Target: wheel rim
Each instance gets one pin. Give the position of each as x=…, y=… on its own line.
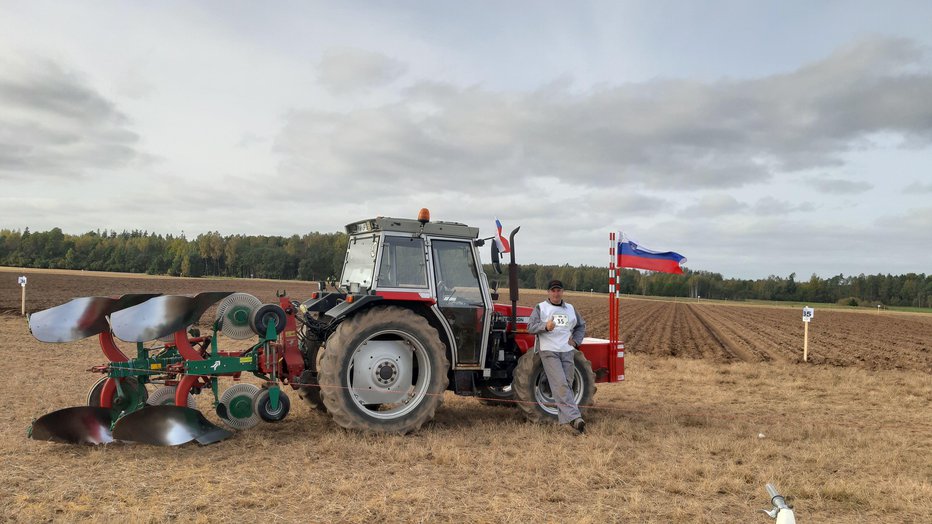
x=385, y=375
x=544, y=397
x=267, y=406
x=499, y=392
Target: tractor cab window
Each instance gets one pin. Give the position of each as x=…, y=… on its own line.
x=360, y=263
x=455, y=271
x=403, y=263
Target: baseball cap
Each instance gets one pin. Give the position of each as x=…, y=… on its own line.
x=555, y=283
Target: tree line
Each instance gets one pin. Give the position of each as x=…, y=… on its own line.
x=314, y=256
x=319, y=256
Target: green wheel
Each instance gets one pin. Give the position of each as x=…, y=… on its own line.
x=237, y=402
x=134, y=396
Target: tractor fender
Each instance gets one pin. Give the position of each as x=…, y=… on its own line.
x=353, y=304
x=323, y=302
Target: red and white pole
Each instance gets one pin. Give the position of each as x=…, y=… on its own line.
x=612, y=303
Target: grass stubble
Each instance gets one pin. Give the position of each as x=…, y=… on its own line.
x=678, y=441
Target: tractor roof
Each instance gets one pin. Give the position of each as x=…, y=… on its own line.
x=407, y=225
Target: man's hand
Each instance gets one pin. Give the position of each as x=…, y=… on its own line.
x=550, y=324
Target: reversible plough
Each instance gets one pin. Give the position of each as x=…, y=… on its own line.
x=178, y=360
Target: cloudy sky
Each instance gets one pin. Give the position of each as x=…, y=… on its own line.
x=755, y=138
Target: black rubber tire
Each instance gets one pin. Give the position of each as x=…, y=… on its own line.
x=497, y=396
x=309, y=391
x=342, y=345
x=260, y=319
x=525, y=384
x=261, y=405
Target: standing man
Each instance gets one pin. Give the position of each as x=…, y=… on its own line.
x=560, y=330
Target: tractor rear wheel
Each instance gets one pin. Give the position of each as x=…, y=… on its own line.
x=309, y=389
x=532, y=388
x=384, y=370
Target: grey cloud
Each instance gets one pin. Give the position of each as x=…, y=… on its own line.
x=662, y=134
x=772, y=206
x=349, y=69
x=914, y=223
x=917, y=187
x=53, y=124
x=838, y=186
x=713, y=206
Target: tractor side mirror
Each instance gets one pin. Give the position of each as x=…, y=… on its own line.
x=496, y=264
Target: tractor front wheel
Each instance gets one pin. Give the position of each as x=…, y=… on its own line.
x=503, y=396
x=384, y=370
x=533, y=389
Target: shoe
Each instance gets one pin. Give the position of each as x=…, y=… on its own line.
x=579, y=425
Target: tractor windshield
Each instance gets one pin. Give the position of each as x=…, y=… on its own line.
x=360, y=262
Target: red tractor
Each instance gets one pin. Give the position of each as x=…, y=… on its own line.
x=413, y=316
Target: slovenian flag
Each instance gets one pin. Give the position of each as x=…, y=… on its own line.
x=503, y=246
x=632, y=255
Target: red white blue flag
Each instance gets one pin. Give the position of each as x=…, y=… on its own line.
x=500, y=239
x=632, y=255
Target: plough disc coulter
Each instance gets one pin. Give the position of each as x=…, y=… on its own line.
x=119, y=405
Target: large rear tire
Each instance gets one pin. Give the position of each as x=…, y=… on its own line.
x=384, y=370
x=533, y=390
x=310, y=384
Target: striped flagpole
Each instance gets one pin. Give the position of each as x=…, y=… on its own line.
x=617, y=320
x=612, y=279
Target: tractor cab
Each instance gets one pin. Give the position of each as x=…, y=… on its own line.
x=433, y=264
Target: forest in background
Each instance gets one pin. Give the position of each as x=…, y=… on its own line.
x=319, y=256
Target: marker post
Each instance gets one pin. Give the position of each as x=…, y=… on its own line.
x=22, y=283
x=808, y=313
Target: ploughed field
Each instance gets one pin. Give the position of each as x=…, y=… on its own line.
x=722, y=332
x=727, y=332
x=715, y=404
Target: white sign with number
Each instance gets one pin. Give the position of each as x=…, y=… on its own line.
x=808, y=313
x=561, y=320
x=22, y=280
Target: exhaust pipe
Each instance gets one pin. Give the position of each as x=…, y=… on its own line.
x=513, y=280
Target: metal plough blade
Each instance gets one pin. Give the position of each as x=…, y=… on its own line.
x=80, y=318
x=162, y=315
x=168, y=426
x=77, y=425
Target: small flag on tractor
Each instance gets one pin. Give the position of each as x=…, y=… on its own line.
x=632, y=255
x=500, y=239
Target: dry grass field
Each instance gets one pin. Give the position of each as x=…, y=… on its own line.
x=715, y=405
